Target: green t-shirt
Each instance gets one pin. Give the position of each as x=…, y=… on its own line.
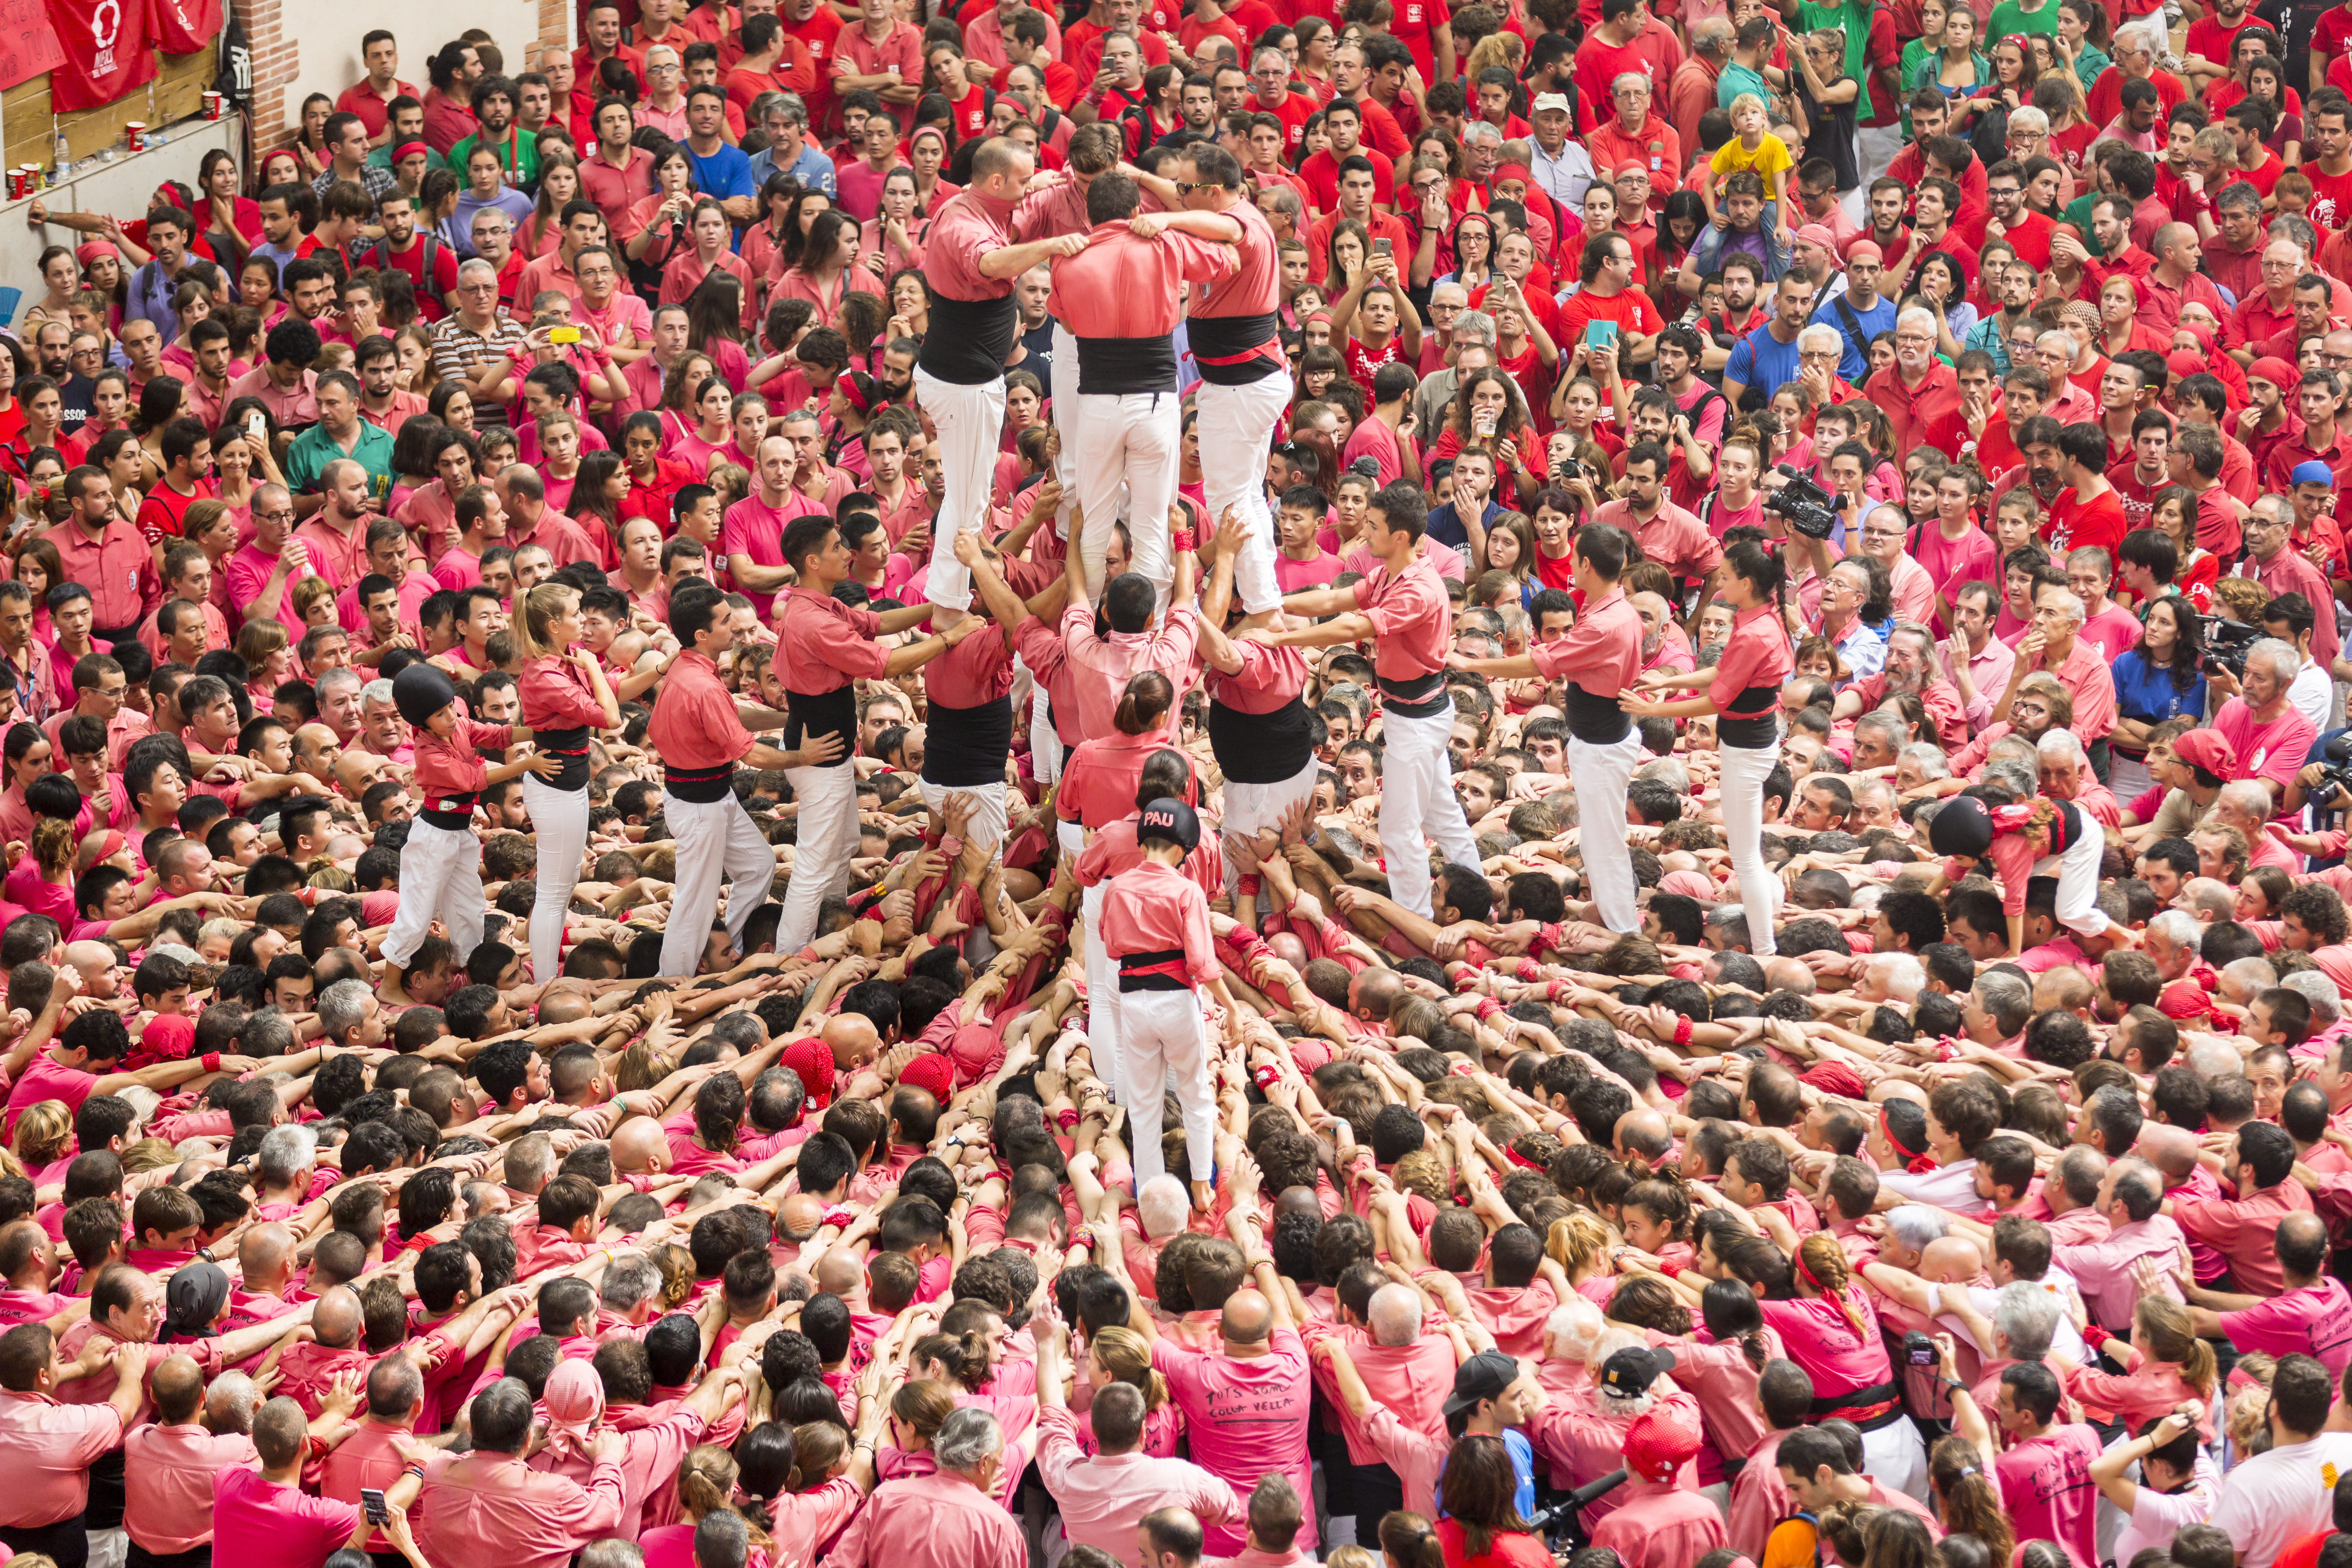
x=1855, y=19
x=1931, y=66
x=517, y=153
x=2089, y=64
x=2009, y=17
x=313, y=449
x=1736, y=79
x=382, y=158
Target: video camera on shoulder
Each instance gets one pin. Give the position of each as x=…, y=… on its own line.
x=1811, y=509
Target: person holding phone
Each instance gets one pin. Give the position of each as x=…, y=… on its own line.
x=1606, y=298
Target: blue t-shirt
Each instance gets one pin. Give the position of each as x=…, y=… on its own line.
x=1446, y=526
x=2145, y=691
x=1761, y=361
x=724, y=173
x=1854, y=366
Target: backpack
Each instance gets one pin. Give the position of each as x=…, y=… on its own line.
x=381, y=262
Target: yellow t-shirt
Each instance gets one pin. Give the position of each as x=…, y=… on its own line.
x=1770, y=161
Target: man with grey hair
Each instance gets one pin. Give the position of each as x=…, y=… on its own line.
x=1877, y=737
x=1910, y=666
x=2055, y=647
x=1919, y=388
x=1911, y=1229
x=949, y=1516
x=349, y=1016
x=1470, y=346
x=382, y=728
x=2326, y=997
x=784, y=118
x=2130, y=1200
x=2270, y=735
x=1556, y=159
x=2172, y=941
x=1997, y=1008
x=630, y=1289
x=474, y=342
x=339, y=703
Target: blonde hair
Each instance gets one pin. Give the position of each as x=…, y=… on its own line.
x=540, y=608
x=309, y=591
x=43, y=1132
x=149, y=1154
x=1748, y=99
x=53, y=844
x=1575, y=1239
x=2172, y=1337
x=261, y=638
x=1823, y=1262
x=706, y=1484
x=1128, y=1358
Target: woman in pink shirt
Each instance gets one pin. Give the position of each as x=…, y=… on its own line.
x=2164, y=1364
x=43, y=880
x=714, y=408
x=888, y=241
x=1831, y=1329
x=684, y=277
x=829, y=266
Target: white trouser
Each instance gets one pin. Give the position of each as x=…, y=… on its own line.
x=109, y=1548
x=1166, y=1046
x=559, y=818
x=970, y=422
x=1418, y=805
x=826, y=843
x=1252, y=808
x=2078, y=883
x=987, y=824
x=1895, y=1455
x=1745, y=768
x=716, y=837
x=440, y=879
x=1129, y=452
x=1236, y=423
x=1600, y=775
x=1065, y=412
x=1105, y=1032
x=1045, y=750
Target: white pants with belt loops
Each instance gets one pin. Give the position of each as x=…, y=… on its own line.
x=1745, y=768
x=1127, y=452
x=716, y=839
x=970, y=423
x=1237, y=423
x=1166, y=1046
x=559, y=819
x=1600, y=775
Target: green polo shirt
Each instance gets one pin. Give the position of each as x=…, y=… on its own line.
x=313, y=449
x=521, y=151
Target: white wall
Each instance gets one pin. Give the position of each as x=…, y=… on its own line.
x=329, y=38
x=120, y=188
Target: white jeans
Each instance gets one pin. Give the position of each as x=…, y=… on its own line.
x=827, y=843
x=1600, y=775
x=1166, y=1047
x=1251, y=807
x=2078, y=883
x=987, y=824
x=1236, y=423
x=1745, y=768
x=1894, y=1454
x=440, y=879
x=971, y=422
x=717, y=837
x=1129, y=454
x=1105, y=1032
x=559, y=818
x=1065, y=412
x=1418, y=805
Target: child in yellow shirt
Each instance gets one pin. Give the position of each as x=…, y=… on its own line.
x=1753, y=147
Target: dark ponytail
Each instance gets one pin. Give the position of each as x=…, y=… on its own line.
x=1143, y=707
x=1728, y=1309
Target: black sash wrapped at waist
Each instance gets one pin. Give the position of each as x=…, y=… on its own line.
x=1596, y=720
x=704, y=787
x=1751, y=722
x=1234, y=350
x=831, y=712
x=1261, y=748
x=968, y=339
x=571, y=746
x=1162, y=970
x=1118, y=367
x=967, y=747
x=1422, y=697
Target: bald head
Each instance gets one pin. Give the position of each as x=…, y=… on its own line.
x=1950, y=1260
x=1788, y=975
x=799, y=1215
x=262, y=1252
x=852, y=1040
x=564, y=1007
x=2301, y=1243
x=640, y=1147
x=1643, y=1131
x=1248, y=1318
x=91, y=958
x=2171, y=1150
x=838, y=1274
x=337, y=1318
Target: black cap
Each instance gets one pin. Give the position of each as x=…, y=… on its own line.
x=1630, y=1373
x=1484, y=1376
x=1960, y=827
x=422, y=691
x=1170, y=821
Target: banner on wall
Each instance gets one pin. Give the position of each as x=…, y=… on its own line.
x=109, y=51
x=28, y=45
x=186, y=27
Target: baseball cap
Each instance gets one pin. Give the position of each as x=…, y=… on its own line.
x=1170, y=821
x=1661, y=1441
x=2275, y=370
x=1629, y=1372
x=1551, y=101
x=2208, y=749
x=2312, y=473
x=1484, y=1376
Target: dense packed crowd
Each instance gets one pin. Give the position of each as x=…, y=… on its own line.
x=808, y=788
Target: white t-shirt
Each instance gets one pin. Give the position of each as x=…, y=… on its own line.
x=1952, y=1186
x=2311, y=692
x=2274, y=1500
x=2156, y=1515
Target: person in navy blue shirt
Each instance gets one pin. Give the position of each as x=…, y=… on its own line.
x=1474, y=480
x=1766, y=359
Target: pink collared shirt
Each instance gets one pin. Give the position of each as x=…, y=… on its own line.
x=1246, y=1419
x=1659, y=1527
x=117, y=567
x=1104, y=1497
x=931, y=1521
x=1100, y=667
x=46, y=1449
x=486, y=1510
x=171, y=1508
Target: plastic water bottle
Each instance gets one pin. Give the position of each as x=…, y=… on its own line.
x=63, y=168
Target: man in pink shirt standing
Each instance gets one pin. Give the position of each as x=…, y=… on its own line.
x=1104, y=1497
x=486, y=1509
x=2262, y=1163
x=948, y=1518
x=1244, y=1404
x=47, y=1448
x=265, y=1517
x=2044, y=1473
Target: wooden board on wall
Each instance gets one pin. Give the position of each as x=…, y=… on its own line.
x=27, y=135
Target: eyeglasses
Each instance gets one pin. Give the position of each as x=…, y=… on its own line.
x=285, y=516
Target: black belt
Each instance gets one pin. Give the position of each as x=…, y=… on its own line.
x=1118, y=367
x=968, y=339
x=1595, y=720
x=1261, y=748
x=1240, y=342
x=1422, y=697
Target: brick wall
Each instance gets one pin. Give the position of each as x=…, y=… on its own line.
x=276, y=57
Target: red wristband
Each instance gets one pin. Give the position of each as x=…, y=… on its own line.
x=1528, y=970
x=1682, y=1031
x=1487, y=1007
x=211, y=1060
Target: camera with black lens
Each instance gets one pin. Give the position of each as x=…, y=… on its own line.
x=2333, y=790
x=1919, y=1351
x=2227, y=643
x=1811, y=509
